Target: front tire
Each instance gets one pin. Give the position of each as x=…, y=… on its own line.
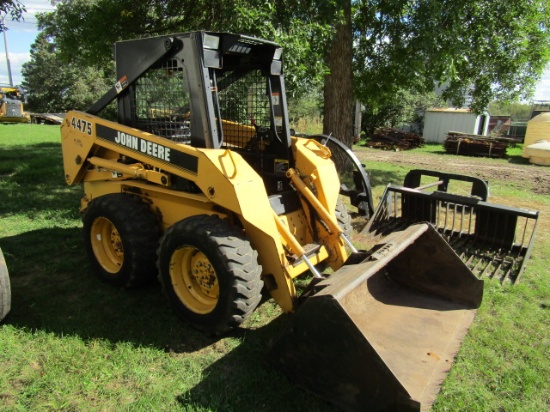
x=210, y=273
x=121, y=235
x=343, y=218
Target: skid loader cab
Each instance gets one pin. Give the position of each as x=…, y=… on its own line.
x=208, y=90
x=201, y=182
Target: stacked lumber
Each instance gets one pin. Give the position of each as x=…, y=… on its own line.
x=392, y=139
x=475, y=145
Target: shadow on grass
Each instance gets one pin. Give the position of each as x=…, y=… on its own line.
x=383, y=177
x=53, y=289
x=244, y=379
x=32, y=179
x=518, y=160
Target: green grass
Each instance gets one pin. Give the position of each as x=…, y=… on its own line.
x=72, y=342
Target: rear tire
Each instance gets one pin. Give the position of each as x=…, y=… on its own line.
x=5, y=290
x=121, y=235
x=210, y=273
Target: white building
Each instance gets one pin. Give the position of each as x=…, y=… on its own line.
x=439, y=122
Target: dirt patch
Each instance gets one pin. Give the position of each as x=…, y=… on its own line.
x=515, y=170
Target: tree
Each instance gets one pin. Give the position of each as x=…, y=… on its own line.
x=517, y=111
x=85, y=30
x=12, y=7
x=407, y=108
x=55, y=85
x=338, y=92
x=372, y=50
x=478, y=49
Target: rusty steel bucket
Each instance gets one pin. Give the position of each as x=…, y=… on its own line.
x=382, y=334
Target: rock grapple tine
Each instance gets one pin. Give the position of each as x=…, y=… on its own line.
x=494, y=240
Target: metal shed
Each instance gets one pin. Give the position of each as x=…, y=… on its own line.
x=438, y=122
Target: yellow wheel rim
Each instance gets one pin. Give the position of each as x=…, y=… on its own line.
x=107, y=245
x=194, y=280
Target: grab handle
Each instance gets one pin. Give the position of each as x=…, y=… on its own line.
x=230, y=154
x=325, y=151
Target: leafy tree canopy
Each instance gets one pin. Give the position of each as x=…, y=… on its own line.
x=55, y=85
x=517, y=111
x=475, y=50
x=85, y=30
x=12, y=7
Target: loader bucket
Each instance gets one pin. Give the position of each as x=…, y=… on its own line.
x=495, y=241
x=381, y=335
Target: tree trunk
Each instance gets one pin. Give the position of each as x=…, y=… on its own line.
x=338, y=91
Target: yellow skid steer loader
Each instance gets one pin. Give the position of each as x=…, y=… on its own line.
x=11, y=105
x=201, y=183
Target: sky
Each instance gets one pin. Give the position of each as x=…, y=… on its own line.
x=21, y=36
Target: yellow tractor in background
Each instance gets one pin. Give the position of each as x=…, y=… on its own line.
x=201, y=183
x=11, y=105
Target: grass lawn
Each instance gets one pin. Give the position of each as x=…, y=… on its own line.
x=72, y=342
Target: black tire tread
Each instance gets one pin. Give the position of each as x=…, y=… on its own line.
x=5, y=290
x=229, y=244
x=140, y=232
x=343, y=218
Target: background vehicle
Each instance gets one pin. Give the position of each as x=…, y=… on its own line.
x=11, y=105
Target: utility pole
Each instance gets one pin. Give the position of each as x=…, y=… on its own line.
x=6, y=48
